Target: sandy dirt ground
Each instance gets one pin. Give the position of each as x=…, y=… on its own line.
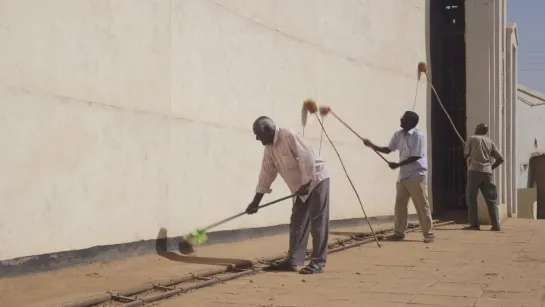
x=56, y=287
x=462, y=268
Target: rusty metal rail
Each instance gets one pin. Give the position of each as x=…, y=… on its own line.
x=152, y=292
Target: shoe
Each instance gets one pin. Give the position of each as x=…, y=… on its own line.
x=281, y=266
x=429, y=238
x=395, y=237
x=472, y=227
x=495, y=228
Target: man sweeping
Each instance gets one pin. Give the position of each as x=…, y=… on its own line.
x=479, y=151
x=412, y=182
x=305, y=173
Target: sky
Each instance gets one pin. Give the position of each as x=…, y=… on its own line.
x=529, y=15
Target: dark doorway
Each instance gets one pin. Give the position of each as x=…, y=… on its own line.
x=448, y=65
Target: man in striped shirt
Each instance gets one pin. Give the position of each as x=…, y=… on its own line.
x=305, y=173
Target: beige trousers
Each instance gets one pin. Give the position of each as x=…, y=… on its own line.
x=417, y=190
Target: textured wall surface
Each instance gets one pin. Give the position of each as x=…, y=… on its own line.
x=119, y=117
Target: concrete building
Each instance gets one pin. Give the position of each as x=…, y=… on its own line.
x=531, y=129
x=474, y=63
x=123, y=117
x=531, y=140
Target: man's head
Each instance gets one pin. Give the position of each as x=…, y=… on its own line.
x=264, y=130
x=481, y=129
x=409, y=120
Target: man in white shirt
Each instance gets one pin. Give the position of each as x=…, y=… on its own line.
x=305, y=173
x=411, y=182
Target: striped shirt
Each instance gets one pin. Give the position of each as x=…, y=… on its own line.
x=290, y=156
x=410, y=144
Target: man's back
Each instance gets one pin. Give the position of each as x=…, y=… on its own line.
x=479, y=150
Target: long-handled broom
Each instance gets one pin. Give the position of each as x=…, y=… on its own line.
x=311, y=108
x=327, y=110
x=199, y=235
x=423, y=69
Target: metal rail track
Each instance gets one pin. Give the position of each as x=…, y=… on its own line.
x=152, y=292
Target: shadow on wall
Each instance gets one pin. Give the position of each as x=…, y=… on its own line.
x=162, y=249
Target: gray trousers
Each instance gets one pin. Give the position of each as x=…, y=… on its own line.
x=310, y=216
x=481, y=181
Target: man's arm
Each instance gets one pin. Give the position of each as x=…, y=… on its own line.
x=384, y=150
x=302, y=151
x=266, y=178
x=409, y=160
x=497, y=156
x=417, y=150
x=267, y=175
x=392, y=146
x=467, y=151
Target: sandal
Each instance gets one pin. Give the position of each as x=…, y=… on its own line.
x=281, y=266
x=311, y=268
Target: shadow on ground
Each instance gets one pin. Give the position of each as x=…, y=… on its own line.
x=366, y=234
x=162, y=244
x=348, y=234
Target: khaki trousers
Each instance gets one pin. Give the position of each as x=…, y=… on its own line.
x=416, y=189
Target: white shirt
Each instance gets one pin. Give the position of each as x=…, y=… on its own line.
x=410, y=144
